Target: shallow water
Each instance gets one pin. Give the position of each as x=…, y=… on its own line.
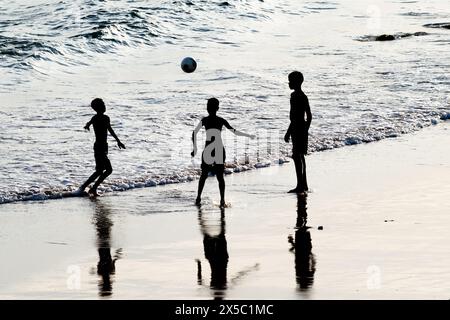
x=58, y=55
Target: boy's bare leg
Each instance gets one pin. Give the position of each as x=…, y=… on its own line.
x=91, y=179
x=304, y=180
x=201, y=185
x=102, y=177
x=221, y=181
x=298, y=170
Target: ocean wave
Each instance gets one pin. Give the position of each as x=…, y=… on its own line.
x=116, y=185
x=100, y=27
x=391, y=37
x=442, y=25
x=415, y=14
x=17, y=52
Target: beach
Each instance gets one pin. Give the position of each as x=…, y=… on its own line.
x=376, y=218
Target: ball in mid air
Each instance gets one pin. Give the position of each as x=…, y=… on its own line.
x=188, y=65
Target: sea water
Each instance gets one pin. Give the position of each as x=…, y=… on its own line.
x=56, y=56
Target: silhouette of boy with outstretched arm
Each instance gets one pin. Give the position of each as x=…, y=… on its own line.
x=298, y=129
x=102, y=125
x=213, y=156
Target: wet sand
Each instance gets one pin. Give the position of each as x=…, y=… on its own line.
x=382, y=208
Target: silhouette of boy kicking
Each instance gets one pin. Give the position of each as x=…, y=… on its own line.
x=213, y=156
x=298, y=129
x=102, y=125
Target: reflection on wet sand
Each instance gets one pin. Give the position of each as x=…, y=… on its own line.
x=215, y=248
x=216, y=252
x=106, y=264
x=305, y=262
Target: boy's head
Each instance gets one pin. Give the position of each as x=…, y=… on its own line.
x=295, y=79
x=212, y=106
x=98, y=105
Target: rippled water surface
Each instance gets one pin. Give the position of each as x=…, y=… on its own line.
x=55, y=56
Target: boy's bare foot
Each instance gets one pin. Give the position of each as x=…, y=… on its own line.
x=299, y=191
x=93, y=193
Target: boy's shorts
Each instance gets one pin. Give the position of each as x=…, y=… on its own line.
x=300, y=143
x=102, y=162
x=217, y=168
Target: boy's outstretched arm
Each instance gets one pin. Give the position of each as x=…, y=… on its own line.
x=194, y=138
x=88, y=124
x=238, y=133
x=120, y=144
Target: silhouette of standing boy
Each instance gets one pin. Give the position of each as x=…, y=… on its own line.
x=213, y=156
x=102, y=125
x=298, y=129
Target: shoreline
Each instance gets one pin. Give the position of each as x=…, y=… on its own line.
x=380, y=207
x=230, y=169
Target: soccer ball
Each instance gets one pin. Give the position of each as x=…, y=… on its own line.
x=188, y=65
